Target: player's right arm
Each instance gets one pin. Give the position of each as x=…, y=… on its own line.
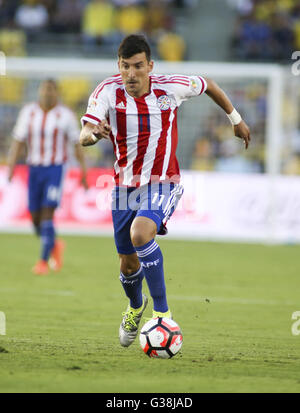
x=20, y=135
x=91, y=134
x=94, y=124
x=14, y=154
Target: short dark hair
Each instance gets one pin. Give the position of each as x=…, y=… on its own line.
x=133, y=44
x=51, y=81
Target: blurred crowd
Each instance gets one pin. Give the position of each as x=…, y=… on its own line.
x=97, y=23
x=266, y=30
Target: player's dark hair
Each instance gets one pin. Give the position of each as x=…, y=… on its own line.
x=50, y=80
x=133, y=44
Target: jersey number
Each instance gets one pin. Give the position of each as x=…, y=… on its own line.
x=156, y=196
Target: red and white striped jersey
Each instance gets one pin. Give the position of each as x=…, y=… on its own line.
x=47, y=134
x=144, y=130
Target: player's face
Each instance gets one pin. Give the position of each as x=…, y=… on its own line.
x=48, y=95
x=135, y=74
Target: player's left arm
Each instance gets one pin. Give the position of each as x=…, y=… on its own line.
x=241, y=129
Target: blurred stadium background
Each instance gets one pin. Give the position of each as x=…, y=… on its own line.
x=245, y=45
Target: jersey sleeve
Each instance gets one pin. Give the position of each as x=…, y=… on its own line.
x=97, y=109
x=21, y=128
x=186, y=87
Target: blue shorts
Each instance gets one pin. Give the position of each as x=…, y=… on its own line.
x=156, y=201
x=45, y=186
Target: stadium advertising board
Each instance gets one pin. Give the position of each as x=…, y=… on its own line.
x=214, y=206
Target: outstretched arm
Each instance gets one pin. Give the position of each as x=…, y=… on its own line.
x=13, y=156
x=241, y=129
x=91, y=134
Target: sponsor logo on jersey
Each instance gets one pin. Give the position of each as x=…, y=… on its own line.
x=121, y=105
x=164, y=102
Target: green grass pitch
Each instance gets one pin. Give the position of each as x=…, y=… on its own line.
x=233, y=302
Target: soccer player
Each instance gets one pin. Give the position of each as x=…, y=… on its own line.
x=48, y=128
x=137, y=110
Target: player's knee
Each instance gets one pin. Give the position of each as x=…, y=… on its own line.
x=36, y=220
x=142, y=231
x=47, y=213
x=140, y=238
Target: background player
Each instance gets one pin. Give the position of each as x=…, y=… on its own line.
x=47, y=127
x=138, y=112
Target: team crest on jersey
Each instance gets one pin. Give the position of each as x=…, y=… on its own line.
x=164, y=102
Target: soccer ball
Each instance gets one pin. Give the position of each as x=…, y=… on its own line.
x=161, y=338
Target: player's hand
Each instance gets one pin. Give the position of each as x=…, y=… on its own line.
x=102, y=130
x=84, y=183
x=10, y=175
x=242, y=131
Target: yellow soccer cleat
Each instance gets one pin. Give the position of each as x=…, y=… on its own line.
x=129, y=327
x=167, y=314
